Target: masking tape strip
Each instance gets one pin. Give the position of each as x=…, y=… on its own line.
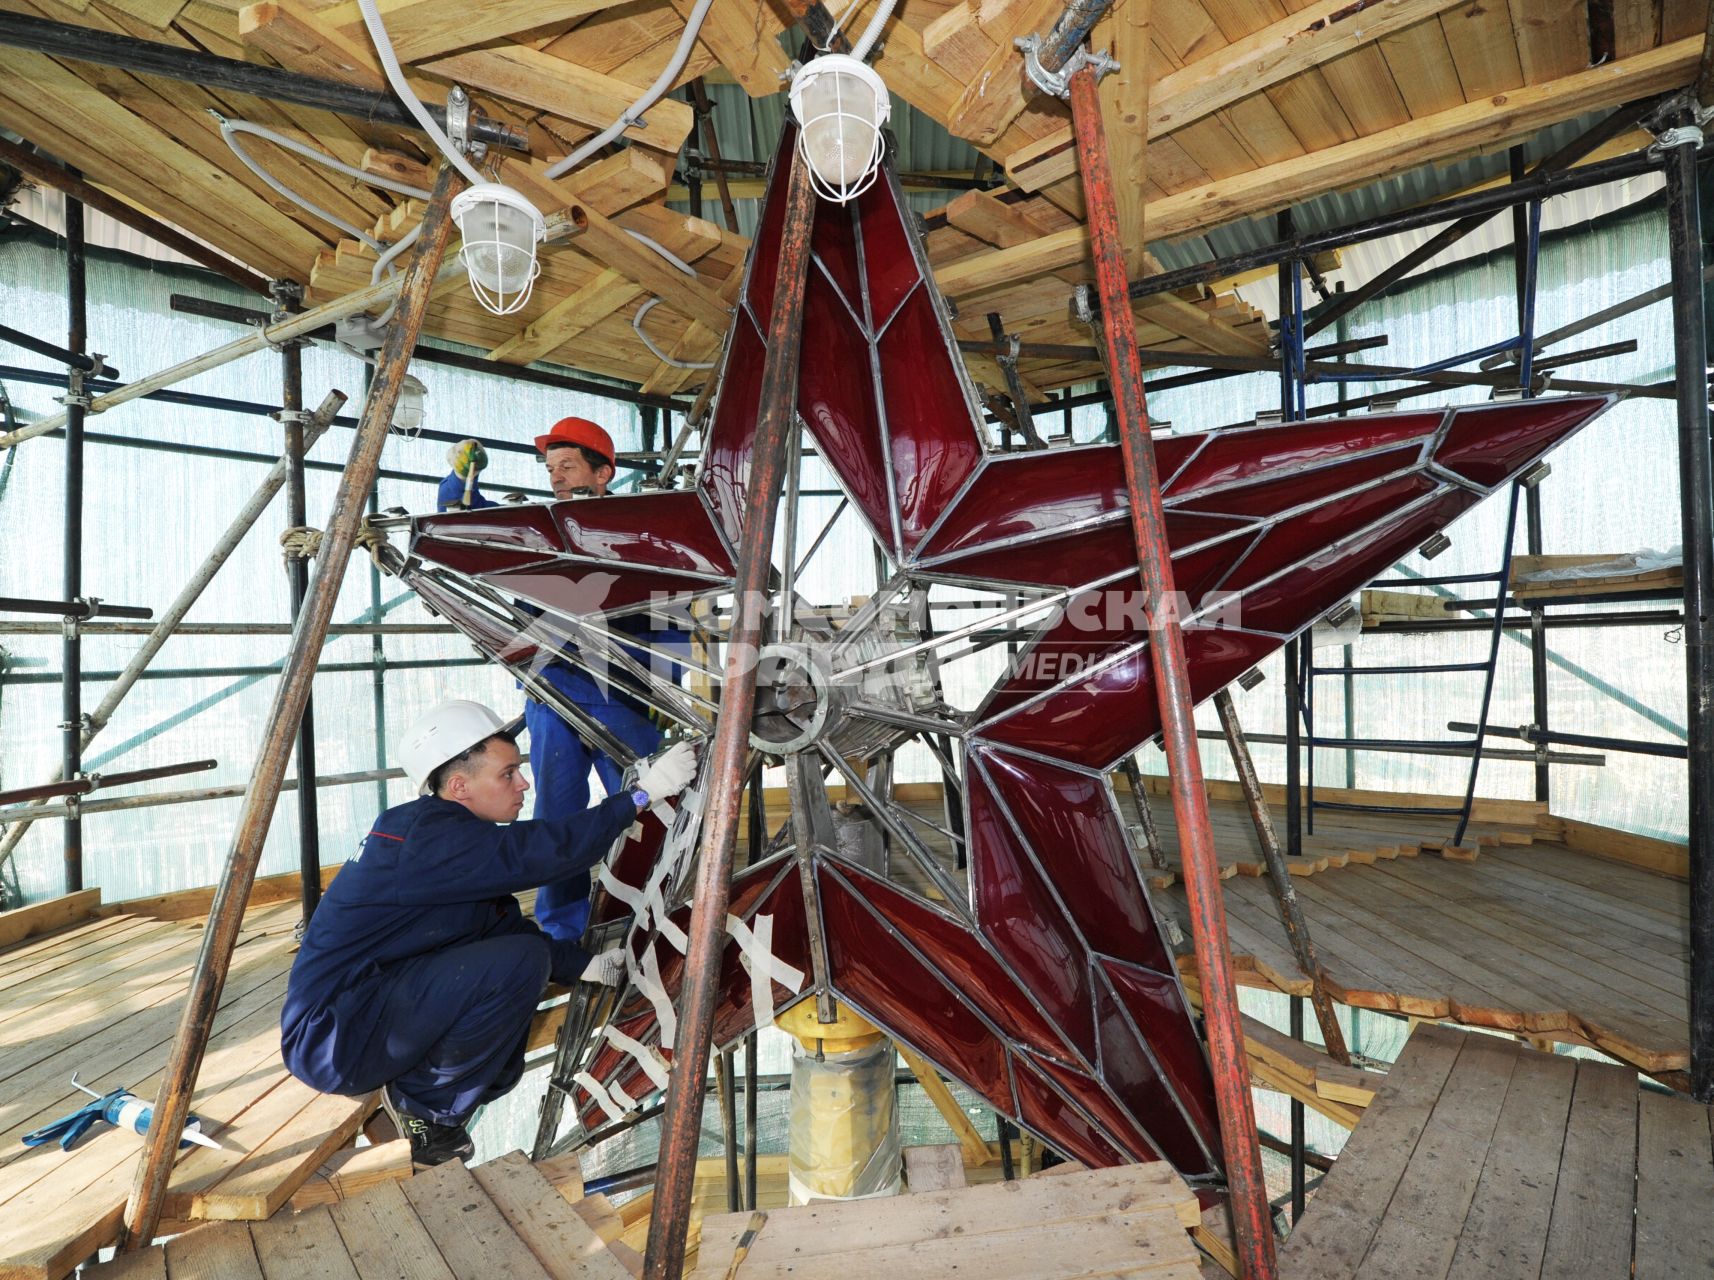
x=645, y=1057
x=648, y=981
x=593, y=1088
x=622, y=1098
x=755, y=944
x=670, y=932
x=632, y=898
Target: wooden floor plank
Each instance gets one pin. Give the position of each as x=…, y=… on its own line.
x=1675, y=1189
x=125, y=1053
x=1492, y=990
x=561, y=1241
x=1331, y=1240
x=1500, y=908
x=219, y=1251
x=69, y=1207
x=144, y=1264
x=302, y=1246
x=33, y=956
x=100, y=980
x=1418, y=1237
x=1507, y=1225
x=1590, y=1235
x=384, y=1238
x=1142, y=1245
x=267, y=1153
x=469, y=1231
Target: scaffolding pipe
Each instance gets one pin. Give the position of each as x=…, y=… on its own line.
x=81, y=610
x=78, y=360
x=682, y=1120
x=71, y=645
x=194, y=306
x=226, y=912
x=228, y=629
x=1696, y=488
x=273, y=335
x=83, y=784
x=288, y=295
x=1251, y=1215
x=210, y=71
x=194, y=795
x=187, y=597
x=1279, y=876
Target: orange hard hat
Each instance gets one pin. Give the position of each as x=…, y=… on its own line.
x=578, y=431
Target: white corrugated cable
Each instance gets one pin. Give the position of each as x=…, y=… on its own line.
x=407, y=95
x=327, y=161
x=637, y=320
x=651, y=95
x=872, y=32
x=229, y=130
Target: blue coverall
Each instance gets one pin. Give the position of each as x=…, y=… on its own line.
x=419, y=969
x=560, y=760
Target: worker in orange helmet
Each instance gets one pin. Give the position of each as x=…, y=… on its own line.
x=579, y=458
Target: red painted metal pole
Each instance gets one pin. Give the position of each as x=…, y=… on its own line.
x=1251, y=1215
x=681, y=1122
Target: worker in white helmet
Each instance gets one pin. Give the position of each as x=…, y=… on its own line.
x=418, y=974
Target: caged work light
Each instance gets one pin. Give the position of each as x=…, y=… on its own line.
x=840, y=105
x=501, y=230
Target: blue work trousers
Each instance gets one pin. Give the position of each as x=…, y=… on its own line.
x=446, y=1029
x=561, y=761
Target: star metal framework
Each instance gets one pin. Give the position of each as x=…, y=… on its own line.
x=1029, y=963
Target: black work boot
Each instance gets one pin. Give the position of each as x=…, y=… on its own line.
x=431, y=1143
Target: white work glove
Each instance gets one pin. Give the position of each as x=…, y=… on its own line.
x=606, y=969
x=668, y=774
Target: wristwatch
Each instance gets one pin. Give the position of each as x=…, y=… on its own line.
x=640, y=798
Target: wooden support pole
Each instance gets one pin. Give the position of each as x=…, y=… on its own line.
x=226, y=913
x=681, y=1123
x=1279, y=876
x=1251, y=1214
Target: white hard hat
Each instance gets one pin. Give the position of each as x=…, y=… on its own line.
x=449, y=729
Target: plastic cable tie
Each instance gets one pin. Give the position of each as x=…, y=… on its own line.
x=648, y=981
x=602, y=1098
x=651, y=1062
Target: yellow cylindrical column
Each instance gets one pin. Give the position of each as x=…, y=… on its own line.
x=845, y=1121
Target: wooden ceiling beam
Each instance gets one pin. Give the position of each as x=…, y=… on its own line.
x=1326, y=30
x=1471, y=127
x=1124, y=99
x=745, y=36
x=982, y=215
x=422, y=29
x=565, y=89
x=567, y=318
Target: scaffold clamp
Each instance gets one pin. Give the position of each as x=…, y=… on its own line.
x=1058, y=83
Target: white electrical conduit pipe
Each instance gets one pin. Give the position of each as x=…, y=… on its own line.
x=651, y=95
x=401, y=87
x=637, y=320
x=230, y=129
x=872, y=32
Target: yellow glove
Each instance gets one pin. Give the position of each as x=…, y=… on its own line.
x=465, y=456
